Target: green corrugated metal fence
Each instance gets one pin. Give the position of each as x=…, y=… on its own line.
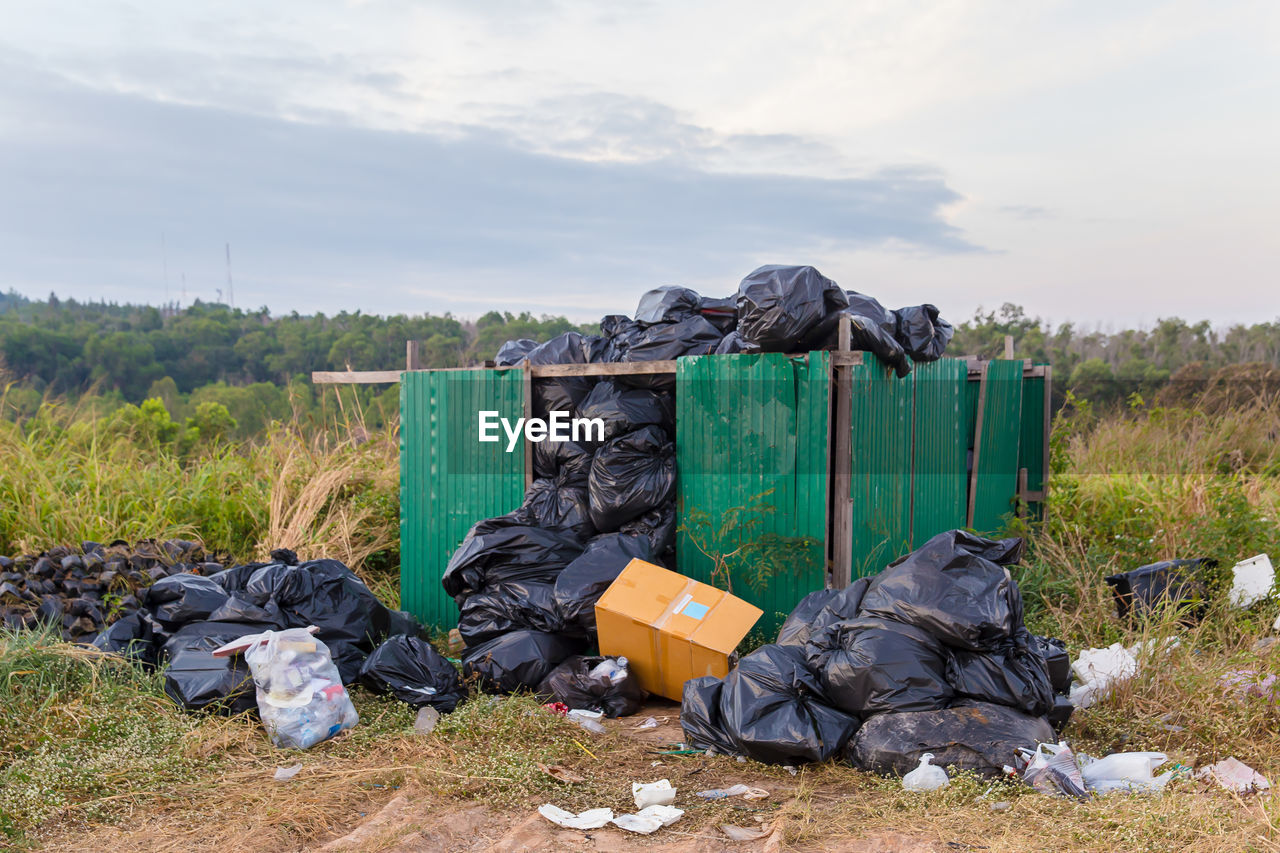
x=748, y=425
x=940, y=450
x=449, y=480
x=994, y=482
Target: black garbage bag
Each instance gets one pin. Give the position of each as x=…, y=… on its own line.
x=620, y=331
x=519, y=660
x=667, y=342
x=178, y=599
x=1146, y=589
x=775, y=711
x=870, y=307
x=1015, y=675
x=513, y=352
x=197, y=680
x=667, y=304
x=131, y=637
x=922, y=333
x=731, y=344
x=955, y=587
x=501, y=549
x=1060, y=715
x=975, y=736
x=865, y=335
x=327, y=594
x=869, y=666
x=1055, y=655
x=819, y=609
x=236, y=579
x=572, y=683
x=624, y=408
x=415, y=673
x=506, y=607
x=580, y=585
x=568, y=460
x=721, y=312
x=656, y=525
x=555, y=505
x=562, y=394
x=631, y=475
x=700, y=715
x=779, y=305
x=237, y=609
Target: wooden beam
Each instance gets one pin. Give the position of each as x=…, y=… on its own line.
x=411, y=360
x=842, y=467
x=622, y=368
x=846, y=359
x=354, y=377
x=977, y=444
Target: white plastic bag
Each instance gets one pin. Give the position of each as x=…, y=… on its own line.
x=1125, y=771
x=926, y=777
x=1052, y=770
x=649, y=819
x=300, y=694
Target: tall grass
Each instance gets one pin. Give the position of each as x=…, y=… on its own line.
x=66, y=476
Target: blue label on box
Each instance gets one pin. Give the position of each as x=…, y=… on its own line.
x=694, y=610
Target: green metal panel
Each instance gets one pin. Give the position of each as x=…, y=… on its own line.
x=881, y=413
x=1031, y=447
x=995, y=481
x=940, y=447
x=745, y=425
x=449, y=480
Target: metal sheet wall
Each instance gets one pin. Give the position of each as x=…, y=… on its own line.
x=748, y=425
x=449, y=480
x=995, y=477
x=882, y=408
x=939, y=479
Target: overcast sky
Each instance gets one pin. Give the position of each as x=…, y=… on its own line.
x=1107, y=163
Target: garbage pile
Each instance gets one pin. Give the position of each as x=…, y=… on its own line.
x=931, y=656
x=175, y=625
x=77, y=591
x=526, y=583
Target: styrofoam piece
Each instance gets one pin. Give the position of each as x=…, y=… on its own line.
x=658, y=793
x=590, y=819
x=649, y=819
x=1252, y=581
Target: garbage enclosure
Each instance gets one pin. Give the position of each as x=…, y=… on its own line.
x=860, y=463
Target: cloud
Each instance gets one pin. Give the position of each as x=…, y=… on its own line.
x=327, y=216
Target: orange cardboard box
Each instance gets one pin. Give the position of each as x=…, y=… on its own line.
x=670, y=628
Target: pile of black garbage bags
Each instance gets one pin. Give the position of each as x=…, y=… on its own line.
x=526, y=583
x=931, y=655
x=174, y=625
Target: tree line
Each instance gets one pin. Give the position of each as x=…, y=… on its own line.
x=257, y=366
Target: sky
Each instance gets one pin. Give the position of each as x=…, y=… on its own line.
x=1107, y=164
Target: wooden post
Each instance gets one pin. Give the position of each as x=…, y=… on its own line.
x=1008, y=347
x=841, y=534
x=977, y=444
x=411, y=360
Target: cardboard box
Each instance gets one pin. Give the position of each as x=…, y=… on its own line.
x=670, y=628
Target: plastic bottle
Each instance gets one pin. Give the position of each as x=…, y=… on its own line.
x=610, y=670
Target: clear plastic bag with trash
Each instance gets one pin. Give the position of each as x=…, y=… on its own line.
x=1052, y=769
x=1133, y=772
x=926, y=777
x=300, y=695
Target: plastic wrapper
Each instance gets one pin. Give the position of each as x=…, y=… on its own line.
x=869, y=666
x=514, y=352
x=573, y=683
x=300, y=695
x=667, y=304
x=518, y=660
x=969, y=735
x=817, y=610
x=626, y=409
x=197, y=680
x=657, y=525
x=631, y=475
x=922, y=333
x=330, y=596
x=415, y=673
x=580, y=585
x=778, y=306
x=502, y=549
x=1168, y=583
x=510, y=606
x=774, y=710
x=555, y=504
x=1015, y=675
x=955, y=587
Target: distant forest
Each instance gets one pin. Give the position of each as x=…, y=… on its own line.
x=258, y=366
